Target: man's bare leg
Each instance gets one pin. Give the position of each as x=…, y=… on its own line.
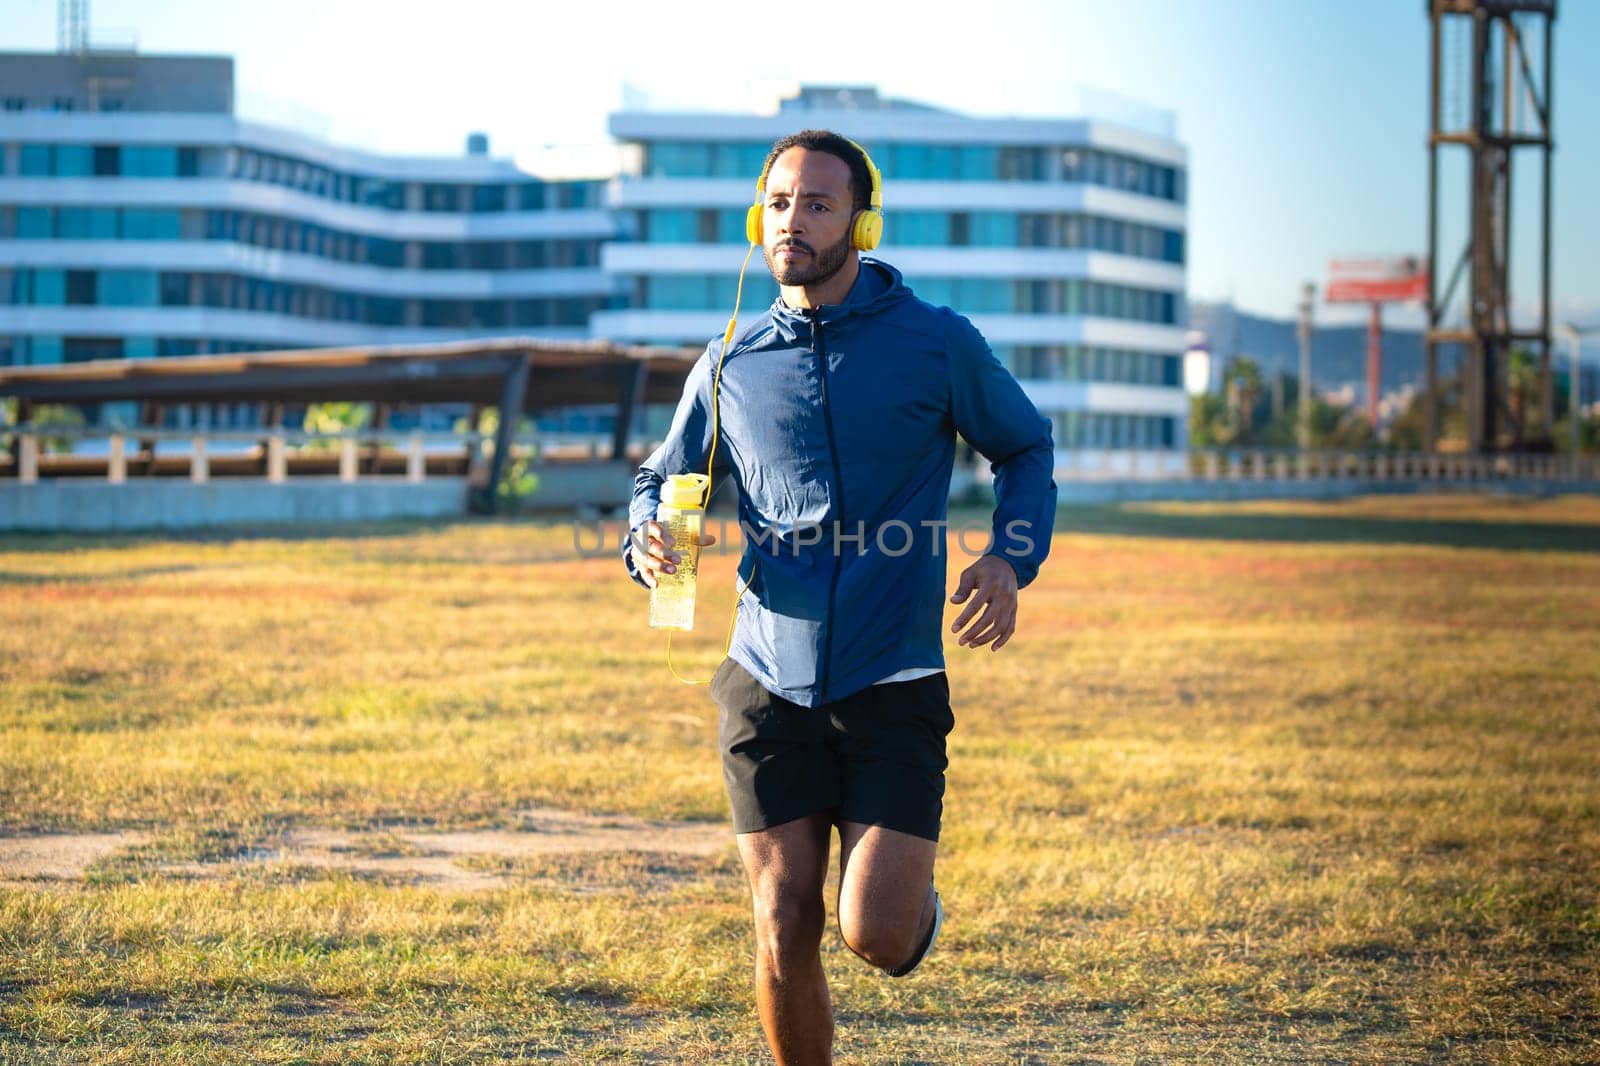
x=885, y=892
x=787, y=866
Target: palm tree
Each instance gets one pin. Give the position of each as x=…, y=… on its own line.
x=1243, y=384
x=1522, y=390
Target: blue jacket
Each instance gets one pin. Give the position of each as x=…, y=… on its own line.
x=839, y=427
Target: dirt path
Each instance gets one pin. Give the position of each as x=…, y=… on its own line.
x=59, y=856
x=466, y=860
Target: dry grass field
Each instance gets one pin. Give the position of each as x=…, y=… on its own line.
x=1270, y=783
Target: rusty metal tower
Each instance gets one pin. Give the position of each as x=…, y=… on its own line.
x=1508, y=108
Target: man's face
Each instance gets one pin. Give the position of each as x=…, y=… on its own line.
x=808, y=211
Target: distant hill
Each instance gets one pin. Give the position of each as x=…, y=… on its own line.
x=1338, y=353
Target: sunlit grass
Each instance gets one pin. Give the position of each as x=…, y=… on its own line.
x=1235, y=792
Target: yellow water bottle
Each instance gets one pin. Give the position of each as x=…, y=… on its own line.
x=681, y=514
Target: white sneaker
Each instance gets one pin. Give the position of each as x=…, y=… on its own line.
x=927, y=945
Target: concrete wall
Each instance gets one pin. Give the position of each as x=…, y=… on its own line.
x=92, y=504
x=173, y=503
x=563, y=486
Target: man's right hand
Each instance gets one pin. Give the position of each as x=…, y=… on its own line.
x=658, y=558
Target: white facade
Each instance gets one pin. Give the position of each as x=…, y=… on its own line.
x=1061, y=239
x=143, y=234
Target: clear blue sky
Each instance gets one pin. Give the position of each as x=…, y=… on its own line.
x=1305, y=119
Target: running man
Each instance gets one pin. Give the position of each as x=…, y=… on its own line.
x=838, y=411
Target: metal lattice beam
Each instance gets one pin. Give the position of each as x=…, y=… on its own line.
x=1500, y=76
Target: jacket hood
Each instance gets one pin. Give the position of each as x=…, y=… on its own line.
x=877, y=288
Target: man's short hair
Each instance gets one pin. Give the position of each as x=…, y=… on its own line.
x=835, y=145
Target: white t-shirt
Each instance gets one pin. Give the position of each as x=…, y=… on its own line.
x=908, y=674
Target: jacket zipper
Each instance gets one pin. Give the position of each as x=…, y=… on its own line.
x=819, y=345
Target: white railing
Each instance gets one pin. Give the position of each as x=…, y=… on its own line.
x=1259, y=464
x=1113, y=464
x=275, y=446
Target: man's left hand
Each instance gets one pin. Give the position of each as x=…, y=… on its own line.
x=988, y=585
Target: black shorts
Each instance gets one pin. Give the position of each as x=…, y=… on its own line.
x=876, y=757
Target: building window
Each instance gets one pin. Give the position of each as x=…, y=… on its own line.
x=486, y=255
x=700, y=159
x=986, y=295
x=670, y=159
x=730, y=225
x=80, y=287
x=34, y=160
x=439, y=256
x=87, y=223
x=938, y=291
x=73, y=161
x=528, y=255
x=34, y=223
x=960, y=224
x=994, y=229
x=530, y=196
x=920, y=162
x=1020, y=164
x=694, y=292
x=443, y=198
x=129, y=288
x=706, y=227
x=671, y=225
x=977, y=162
x=85, y=349
x=917, y=228
x=577, y=194
x=139, y=224
x=43, y=350
x=677, y=292
x=106, y=160
x=42, y=288
x=177, y=346
x=149, y=160
x=174, y=289
x=489, y=198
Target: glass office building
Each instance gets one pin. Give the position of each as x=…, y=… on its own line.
x=1062, y=239
x=140, y=218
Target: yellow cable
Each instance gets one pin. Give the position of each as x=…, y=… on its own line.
x=711, y=458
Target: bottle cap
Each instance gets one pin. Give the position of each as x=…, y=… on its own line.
x=685, y=490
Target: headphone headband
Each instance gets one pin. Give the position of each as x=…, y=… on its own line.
x=874, y=198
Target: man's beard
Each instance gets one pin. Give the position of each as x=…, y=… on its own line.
x=815, y=270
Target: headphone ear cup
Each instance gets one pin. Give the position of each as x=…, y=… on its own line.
x=867, y=230
x=752, y=224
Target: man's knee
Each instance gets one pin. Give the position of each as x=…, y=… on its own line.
x=789, y=925
x=879, y=942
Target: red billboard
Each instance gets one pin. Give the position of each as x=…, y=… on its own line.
x=1394, y=279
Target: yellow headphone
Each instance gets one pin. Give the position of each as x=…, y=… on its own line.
x=865, y=232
